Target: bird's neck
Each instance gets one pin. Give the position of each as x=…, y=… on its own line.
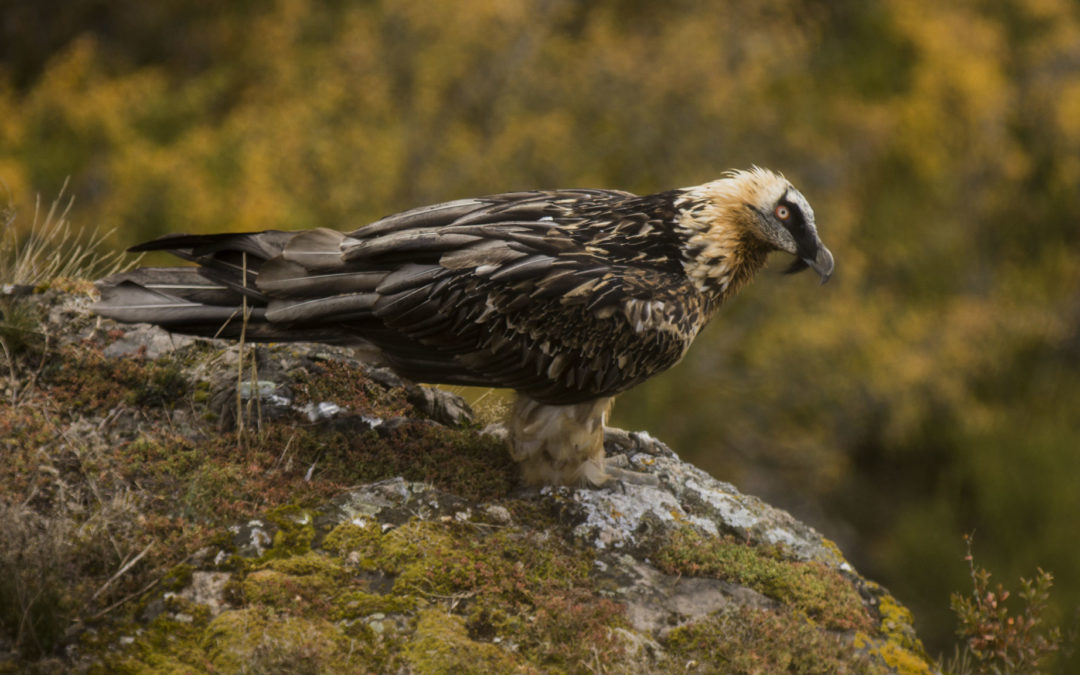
x=721, y=253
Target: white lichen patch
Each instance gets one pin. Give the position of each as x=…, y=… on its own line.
x=322, y=410
x=727, y=508
x=614, y=517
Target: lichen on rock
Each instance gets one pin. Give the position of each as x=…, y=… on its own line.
x=391, y=535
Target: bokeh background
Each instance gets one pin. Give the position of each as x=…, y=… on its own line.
x=931, y=389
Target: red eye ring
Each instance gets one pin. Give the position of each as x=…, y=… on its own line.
x=782, y=212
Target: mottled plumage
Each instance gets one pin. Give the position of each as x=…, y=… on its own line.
x=568, y=297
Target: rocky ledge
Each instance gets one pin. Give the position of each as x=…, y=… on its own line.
x=353, y=522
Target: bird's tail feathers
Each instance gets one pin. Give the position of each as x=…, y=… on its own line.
x=179, y=299
x=294, y=291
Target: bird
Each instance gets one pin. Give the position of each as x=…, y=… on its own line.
x=568, y=297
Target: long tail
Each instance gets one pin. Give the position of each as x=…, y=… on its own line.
x=209, y=300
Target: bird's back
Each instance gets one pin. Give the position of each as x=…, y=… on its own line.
x=566, y=296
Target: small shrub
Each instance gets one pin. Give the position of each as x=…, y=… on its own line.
x=994, y=639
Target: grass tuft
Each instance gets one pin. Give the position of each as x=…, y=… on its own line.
x=53, y=248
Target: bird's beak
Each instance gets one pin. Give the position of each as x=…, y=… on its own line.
x=822, y=263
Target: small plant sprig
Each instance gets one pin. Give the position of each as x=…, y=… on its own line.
x=997, y=641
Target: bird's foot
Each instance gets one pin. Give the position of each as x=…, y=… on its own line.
x=619, y=441
x=617, y=468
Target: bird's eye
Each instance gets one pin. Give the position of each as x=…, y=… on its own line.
x=782, y=212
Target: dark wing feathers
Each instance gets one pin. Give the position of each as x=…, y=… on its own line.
x=261, y=245
x=282, y=279
x=317, y=250
x=529, y=290
x=523, y=269
x=409, y=276
x=436, y=215
x=529, y=206
x=408, y=245
x=487, y=252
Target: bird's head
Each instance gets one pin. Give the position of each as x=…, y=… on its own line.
x=761, y=207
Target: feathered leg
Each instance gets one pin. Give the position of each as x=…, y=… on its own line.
x=564, y=444
x=559, y=444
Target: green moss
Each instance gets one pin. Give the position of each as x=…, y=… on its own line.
x=811, y=587
x=749, y=640
x=177, y=578
x=308, y=564
x=349, y=537
x=447, y=558
x=204, y=486
x=296, y=530
x=309, y=583
x=252, y=640
x=287, y=592
x=442, y=645
x=358, y=604
x=259, y=640
x=502, y=583
x=521, y=587
x=897, y=622
x=830, y=546
x=168, y=644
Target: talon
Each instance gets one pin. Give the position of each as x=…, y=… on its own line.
x=618, y=438
x=614, y=467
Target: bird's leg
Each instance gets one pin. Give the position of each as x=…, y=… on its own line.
x=564, y=445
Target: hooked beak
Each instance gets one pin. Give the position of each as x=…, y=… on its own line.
x=822, y=263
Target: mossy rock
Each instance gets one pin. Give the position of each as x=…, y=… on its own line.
x=372, y=535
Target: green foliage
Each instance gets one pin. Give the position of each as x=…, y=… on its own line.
x=1000, y=641
x=929, y=390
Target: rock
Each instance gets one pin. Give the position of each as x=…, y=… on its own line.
x=208, y=590
x=147, y=341
x=364, y=523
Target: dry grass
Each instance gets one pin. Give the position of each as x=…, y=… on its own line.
x=62, y=552
x=53, y=248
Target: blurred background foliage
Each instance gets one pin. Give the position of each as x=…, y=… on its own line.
x=931, y=389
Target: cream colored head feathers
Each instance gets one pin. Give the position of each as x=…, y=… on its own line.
x=735, y=221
